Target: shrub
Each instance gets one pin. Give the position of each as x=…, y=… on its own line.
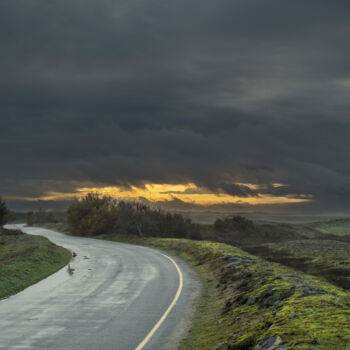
x=233, y=223
x=93, y=215
x=4, y=213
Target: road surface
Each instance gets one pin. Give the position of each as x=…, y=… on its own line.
x=111, y=297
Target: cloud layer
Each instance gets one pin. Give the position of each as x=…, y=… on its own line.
x=118, y=93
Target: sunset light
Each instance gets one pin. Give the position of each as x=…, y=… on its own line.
x=187, y=193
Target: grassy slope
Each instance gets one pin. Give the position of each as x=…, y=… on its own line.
x=340, y=227
x=311, y=313
x=322, y=249
x=26, y=259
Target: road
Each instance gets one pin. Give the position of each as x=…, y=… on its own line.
x=111, y=297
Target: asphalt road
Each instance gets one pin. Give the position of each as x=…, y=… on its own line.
x=114, y=297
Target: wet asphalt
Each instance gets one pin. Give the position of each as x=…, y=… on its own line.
x=109, y=298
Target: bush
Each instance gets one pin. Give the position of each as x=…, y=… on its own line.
x=4, y=213
x=93, y=215
x=233, y=223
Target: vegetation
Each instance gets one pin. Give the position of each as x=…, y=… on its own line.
x=247, y=300
x=240, y=231
x=321, y=248
x=26, y=259
x=326, y=258
x=236, y=223
x=95, y=215
x=39, y=217
x=4, y=213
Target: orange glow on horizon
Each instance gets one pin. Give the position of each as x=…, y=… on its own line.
x=187, y=193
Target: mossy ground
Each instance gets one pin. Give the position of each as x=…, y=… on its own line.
x=26, y=259
x=246, y=299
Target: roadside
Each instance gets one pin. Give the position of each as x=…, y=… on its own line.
x=112, y=299
x=248, y=302
x=27, y=259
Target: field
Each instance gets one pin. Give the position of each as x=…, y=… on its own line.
x=319, y=248
x=25, y=260
x=208, y=217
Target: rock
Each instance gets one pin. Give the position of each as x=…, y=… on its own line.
x=294, y=316
x=70, y=270
x=268, y=292
x=232, y=265
x=250, y=301
x=272, y=300
x=311, y=292
x=248, y=258
x=231, y=257
x=275, y=305
x=287, y=293
x=269, y=343
x=220, y=346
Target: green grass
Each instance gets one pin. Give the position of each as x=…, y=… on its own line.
x=27, y=259
x=340, y=227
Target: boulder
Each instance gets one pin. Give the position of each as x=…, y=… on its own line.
x=251, y=301
x=272, y=300
x=231, y=265
x=311, y=292
x=220, y=346
x=269, y=343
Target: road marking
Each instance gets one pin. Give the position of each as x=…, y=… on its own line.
x=171, y=306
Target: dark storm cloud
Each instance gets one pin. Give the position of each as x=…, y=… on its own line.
x=214, y=92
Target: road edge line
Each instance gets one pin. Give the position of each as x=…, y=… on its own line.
x=167, y=312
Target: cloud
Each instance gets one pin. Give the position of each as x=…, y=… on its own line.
x=116, y=93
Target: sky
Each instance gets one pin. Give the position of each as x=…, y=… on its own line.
x=191, y=105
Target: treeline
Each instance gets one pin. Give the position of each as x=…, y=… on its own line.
x=40, y=217
x=94, y=215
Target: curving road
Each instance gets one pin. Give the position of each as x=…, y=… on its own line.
x=114, y=297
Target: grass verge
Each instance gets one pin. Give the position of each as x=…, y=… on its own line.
x=27, y=259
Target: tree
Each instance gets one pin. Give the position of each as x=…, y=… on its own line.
x=4, y=212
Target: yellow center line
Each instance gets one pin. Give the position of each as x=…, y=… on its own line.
x=171, y=306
